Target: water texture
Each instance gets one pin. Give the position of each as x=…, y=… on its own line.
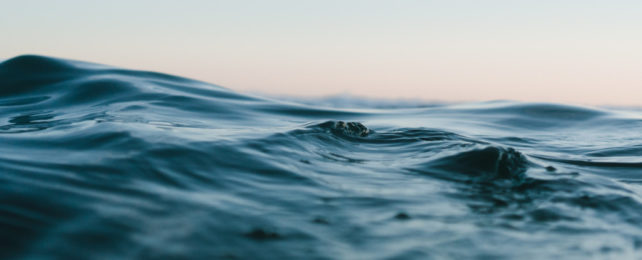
x=98, y=162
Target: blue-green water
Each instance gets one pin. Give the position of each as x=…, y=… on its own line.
x=104, y=163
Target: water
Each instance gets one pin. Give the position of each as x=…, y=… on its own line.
x=104, y=163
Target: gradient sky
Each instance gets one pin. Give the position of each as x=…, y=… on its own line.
x=570, y=51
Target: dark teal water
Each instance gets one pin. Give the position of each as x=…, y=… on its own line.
x=104, y=163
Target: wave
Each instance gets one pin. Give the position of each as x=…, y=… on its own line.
x=102, y=162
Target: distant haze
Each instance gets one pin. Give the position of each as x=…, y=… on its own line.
x=573, y=51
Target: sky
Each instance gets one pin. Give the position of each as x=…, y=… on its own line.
x=565, y=51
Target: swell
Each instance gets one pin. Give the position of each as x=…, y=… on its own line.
x=100, y=162
x=33, y=85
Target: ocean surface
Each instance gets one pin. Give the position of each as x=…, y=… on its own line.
x=99, y=162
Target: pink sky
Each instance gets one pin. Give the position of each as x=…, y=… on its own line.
x=583, y=52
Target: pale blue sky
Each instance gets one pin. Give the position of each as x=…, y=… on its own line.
x=585, y=52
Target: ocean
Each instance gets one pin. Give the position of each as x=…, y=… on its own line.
x=98, y=162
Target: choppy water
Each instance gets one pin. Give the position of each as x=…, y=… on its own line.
x=104, y=163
